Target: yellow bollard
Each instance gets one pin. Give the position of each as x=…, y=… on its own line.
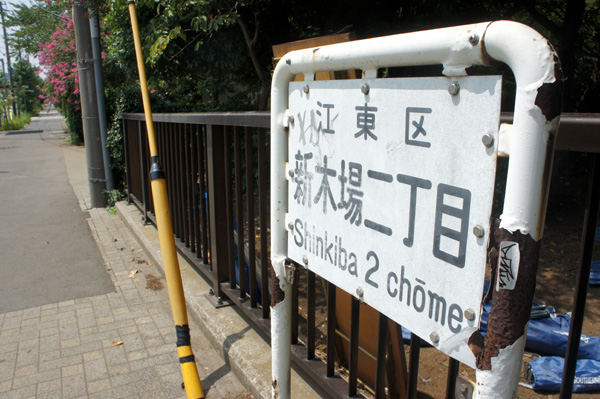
x=191, y=380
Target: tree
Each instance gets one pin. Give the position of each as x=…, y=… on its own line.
x=34, y=24
x=24, y=74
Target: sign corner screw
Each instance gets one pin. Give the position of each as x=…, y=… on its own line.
x=487, y=140
x=435, y=338
x=478, y=231
x=305, y=260
x=360, y=292
x=365, y=89
x=306, y=89
x=454, y=88
x=469, y=314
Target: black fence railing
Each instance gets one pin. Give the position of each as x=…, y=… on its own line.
x=217, y=168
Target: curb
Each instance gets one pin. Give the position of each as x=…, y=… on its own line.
x=243, y=350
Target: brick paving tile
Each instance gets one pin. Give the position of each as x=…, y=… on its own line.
x=72, y=349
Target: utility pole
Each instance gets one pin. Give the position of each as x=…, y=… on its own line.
x=89, y=107
x=95, y=31
x=14, y=106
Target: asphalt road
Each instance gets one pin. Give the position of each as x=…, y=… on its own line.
x=47, y=252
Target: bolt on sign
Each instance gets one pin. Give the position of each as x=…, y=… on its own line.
x=391, y=184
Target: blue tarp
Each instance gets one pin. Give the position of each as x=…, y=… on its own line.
x=548, y=336
x=246, y=270
x=547, y=374
x=595, y=273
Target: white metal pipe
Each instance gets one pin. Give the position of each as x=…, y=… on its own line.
x=280, y=308
x=533, y=62
x=281, y=341
x=535, y=66
x=537, y=107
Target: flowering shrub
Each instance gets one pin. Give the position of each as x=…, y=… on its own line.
x=58, y=57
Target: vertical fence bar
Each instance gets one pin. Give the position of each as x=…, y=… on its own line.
x=203, y=194
x=413, y=364
x=217, y=213
x=229, y=206
x=331, y=326
x=127, y=167
x=310, y=316
x=250, y=216
x=180, y=181
x=263, y=210
x=453, y=367
x=194, y=200
x=382, y=345
x=295, y=286
x=188, y=188
x=177, y=184
x=239, y=211
x=354, y=332
x=583, y=279
x=168, y=129
x=143, y=174
x=197, y=192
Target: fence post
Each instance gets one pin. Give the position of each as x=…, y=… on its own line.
x=127, y=167
x=583, y=279
x=143, y=173
x=217, y=212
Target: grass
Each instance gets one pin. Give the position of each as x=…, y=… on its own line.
x=16, y=123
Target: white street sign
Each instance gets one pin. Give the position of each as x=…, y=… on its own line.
x=390, y=193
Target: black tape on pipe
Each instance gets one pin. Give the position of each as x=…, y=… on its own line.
x=183, y=335
x=187, y=359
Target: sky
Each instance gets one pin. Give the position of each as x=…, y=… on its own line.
x=8, y=7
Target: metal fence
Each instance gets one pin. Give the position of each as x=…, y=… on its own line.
x=217, y=180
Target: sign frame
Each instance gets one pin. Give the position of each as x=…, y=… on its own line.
x=536, y=68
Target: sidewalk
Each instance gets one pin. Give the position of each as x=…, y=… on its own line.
x=116, y=345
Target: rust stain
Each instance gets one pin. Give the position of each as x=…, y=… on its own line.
x=510, y=308
x=277, y=294
x=485, y=57
x=476, y=343
x=549, y=95
x=274, y=383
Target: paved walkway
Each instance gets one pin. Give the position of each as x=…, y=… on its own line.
x=115, y=345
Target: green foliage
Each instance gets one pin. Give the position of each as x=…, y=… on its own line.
x=16, y=123
x=73, y=120
x=216, y=55
x=25, y=74
x=33, y=24
x=112, y=197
